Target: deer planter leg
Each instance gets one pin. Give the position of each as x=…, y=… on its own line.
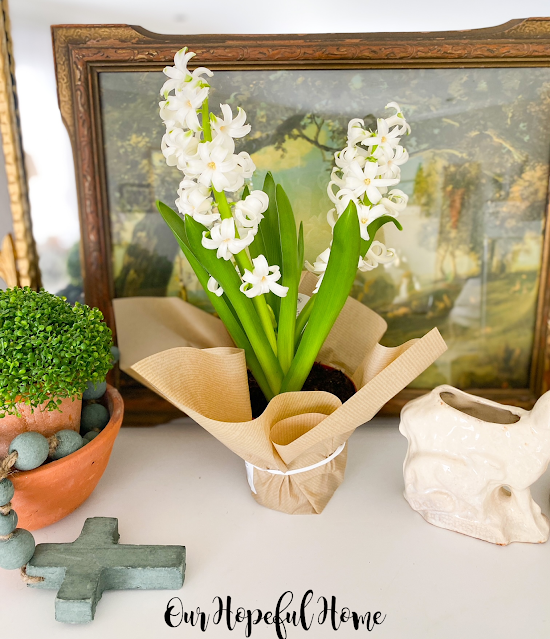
x=524, y=517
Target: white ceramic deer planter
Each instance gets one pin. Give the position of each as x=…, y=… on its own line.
x=471, y=461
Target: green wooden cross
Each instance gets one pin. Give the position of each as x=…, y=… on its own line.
x=95, y=562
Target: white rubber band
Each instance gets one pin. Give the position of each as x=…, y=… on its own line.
x=250, y=468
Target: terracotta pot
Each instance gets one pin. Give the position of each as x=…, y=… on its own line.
x=49, y=493
x=46, y=422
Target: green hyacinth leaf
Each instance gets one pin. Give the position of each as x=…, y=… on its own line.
x=221, y=304
x=330, y=299
x=290, y=279
x=269, y=229
x=373, y=229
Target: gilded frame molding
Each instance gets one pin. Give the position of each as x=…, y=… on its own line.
x=28, y=272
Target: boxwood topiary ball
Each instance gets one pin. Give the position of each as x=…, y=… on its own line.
x=8, y=523
x=68, y=441
x=89, y=436
x=50, y=349
x=95, y=390
x=6, y=491
x=93, y=416
x=17, y=550
x=32, y=450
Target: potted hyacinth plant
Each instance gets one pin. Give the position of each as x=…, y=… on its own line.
x=289, y=325
x=244, y=244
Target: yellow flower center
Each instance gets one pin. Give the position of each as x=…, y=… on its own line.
x=189, y=104
x=367, y=181
x=212, y=165
x=364, y=220
x=383, y=139
x=264, y=278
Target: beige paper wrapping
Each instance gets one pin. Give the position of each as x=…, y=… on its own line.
x=205, y=377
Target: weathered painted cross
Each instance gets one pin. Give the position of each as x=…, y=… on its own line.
x=95, y=562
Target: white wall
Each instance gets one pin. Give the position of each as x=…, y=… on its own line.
x=52, y=188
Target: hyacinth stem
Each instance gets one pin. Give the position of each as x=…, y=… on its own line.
x=244, y=262
x=206, y=130
x=241, y=258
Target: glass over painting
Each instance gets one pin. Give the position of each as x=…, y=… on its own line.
x=469, y=257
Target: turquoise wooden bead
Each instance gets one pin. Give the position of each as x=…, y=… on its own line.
x=68, y=441
x=89, y=436
x=6, y=491
x=95, y=390
x=93, y=416
x=115, y=353
x=8, y=523
x=17, y=550
x=32, y=450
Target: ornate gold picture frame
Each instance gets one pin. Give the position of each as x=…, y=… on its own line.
x=23, y=249
x=100, y=70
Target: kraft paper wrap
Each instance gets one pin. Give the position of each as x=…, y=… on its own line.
x=187, y=357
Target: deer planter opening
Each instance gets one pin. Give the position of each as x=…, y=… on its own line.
x=471, y=461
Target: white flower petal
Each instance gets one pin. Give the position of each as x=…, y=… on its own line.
x=214, y=287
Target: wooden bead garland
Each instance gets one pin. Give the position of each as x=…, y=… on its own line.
x=27, y=451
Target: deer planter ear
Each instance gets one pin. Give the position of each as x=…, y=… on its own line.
x=471, y=461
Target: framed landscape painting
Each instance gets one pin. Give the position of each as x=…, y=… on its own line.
x=472, y=259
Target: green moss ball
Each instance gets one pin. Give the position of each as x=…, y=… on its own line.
x=68, y=441
x=32, y=450
x=6, y=491
x=94, y=416
x=17, y=550
x=95, y=390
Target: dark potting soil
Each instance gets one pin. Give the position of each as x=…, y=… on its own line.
x=321, y=378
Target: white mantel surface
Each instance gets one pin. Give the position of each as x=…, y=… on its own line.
x=176, y=484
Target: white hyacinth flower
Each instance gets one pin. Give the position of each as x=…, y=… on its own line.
x=214, y=162
x=214, y=287
x=346, y=156
x=232, y=127
x=385, y=139
x=366, y=181
x=390, y=168
x=319, y=267
x=377, y=254
x=222, y=237
x=368, y=214
x=398, y=118
x=364, y=170
x=342, y=200
x=181, y=110
x=179, y=146
x=180, y=76
x=356, y=132
x=395, y=201
x=196, y=202
x=246, y=163
x=248, y=212
x=262, y=279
